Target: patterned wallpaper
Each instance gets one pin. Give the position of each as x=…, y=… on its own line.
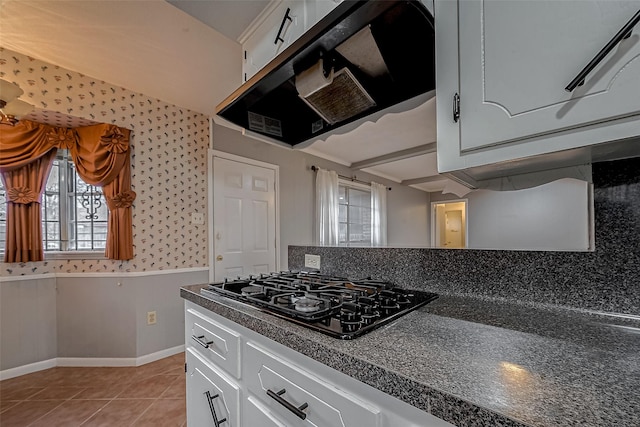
x=168, y=164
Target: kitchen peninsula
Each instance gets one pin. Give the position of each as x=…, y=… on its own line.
x=471, y=361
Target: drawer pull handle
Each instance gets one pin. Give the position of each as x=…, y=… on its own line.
x=297, y=410
x=210, y=398
x=200, y=340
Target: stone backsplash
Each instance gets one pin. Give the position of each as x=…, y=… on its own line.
x=607, y=279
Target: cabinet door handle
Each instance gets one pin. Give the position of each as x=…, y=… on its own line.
x=456, y=108
x=284, y=20
x=625, y=32
x=297, y=410
x=200, y=340
x=210, y=398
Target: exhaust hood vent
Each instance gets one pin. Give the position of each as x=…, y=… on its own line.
x=364, y=57
x=336, y=98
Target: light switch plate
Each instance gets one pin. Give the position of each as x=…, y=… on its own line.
x=312, y=261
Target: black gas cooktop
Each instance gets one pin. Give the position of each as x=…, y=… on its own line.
x=336, y=306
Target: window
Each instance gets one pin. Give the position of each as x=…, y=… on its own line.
x=74, y=213
x=354, y=216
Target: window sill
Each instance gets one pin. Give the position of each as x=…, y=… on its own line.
x=74, y=255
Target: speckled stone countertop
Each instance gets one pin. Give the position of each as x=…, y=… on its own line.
x=477, y=362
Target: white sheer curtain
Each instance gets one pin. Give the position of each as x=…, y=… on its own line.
x=327, y=207
x=378, y=214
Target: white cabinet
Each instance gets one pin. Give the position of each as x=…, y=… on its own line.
x=282, y=24
x=323, y=7
x=284, y=387
x=278, y=386
x=510, y=61
x=212, y=397
x=216, y=343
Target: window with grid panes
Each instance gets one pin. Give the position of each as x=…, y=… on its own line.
x=354, y=216
x=74, y=213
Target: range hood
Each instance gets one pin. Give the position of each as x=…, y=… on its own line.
x=362, y=58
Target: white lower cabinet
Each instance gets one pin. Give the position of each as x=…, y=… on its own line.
x=278, y=386
x=256, y=414
x=212, y=398
x=298, y=397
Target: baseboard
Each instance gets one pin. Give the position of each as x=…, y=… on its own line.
x=148, y=358
x=119, y=361
x=27, y=369
x=89, y=362
x=93, y=362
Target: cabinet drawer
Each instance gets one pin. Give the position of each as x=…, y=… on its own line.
x=213, y=341
x=210, y=394
x=324, y=404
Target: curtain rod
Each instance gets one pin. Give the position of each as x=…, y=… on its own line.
x=352, y=179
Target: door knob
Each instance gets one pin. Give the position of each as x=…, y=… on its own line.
x=219, y=258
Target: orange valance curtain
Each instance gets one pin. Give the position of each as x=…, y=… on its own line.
x=102, y=159
x=24, y=187
x=101, y=156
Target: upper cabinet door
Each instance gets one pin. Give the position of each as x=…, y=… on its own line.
x=323, y=7
x=517, y=57
x=280, y=27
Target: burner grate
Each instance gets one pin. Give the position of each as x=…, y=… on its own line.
x=336, y=306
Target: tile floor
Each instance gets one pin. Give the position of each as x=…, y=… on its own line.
x=147, y=395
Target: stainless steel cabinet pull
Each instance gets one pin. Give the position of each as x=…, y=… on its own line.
x=210, y=398
x=200, y=340
x=284, y=20
x=297, y=410
x=624, y=33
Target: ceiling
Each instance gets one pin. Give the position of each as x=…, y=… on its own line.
x=150, y=46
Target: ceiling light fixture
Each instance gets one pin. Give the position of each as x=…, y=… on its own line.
x=12, y=108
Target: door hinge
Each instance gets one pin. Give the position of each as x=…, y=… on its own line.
x=185, y=368
x=245, y=55
x=456, y=107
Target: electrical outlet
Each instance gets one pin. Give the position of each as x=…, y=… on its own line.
x=312, y=261
x=197, y=218
x=151, y=317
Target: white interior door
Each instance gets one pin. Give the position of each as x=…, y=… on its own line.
x=244, y=219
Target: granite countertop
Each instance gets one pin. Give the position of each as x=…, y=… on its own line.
x=479, y=362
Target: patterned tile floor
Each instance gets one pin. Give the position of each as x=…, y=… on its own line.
x=147, y=395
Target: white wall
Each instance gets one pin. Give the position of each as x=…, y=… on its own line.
x=408, y=208
x=28, y=321
x=554, y=216
x=91, y=318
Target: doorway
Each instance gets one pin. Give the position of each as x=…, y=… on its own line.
x=245, y=234
x=449, y=224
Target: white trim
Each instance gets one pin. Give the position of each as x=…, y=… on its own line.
x=63, y=255
x=29, y=277
x=135, y=273
x=348, y=183
x=89, y=362
x=119, y=361
x=247, y=160
x=27, y=369
x=233, y=157
x=106, y=274
x=94, y=362
x=152, y=357
x=258, y=20
x=320, y=154
x=212, y=242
